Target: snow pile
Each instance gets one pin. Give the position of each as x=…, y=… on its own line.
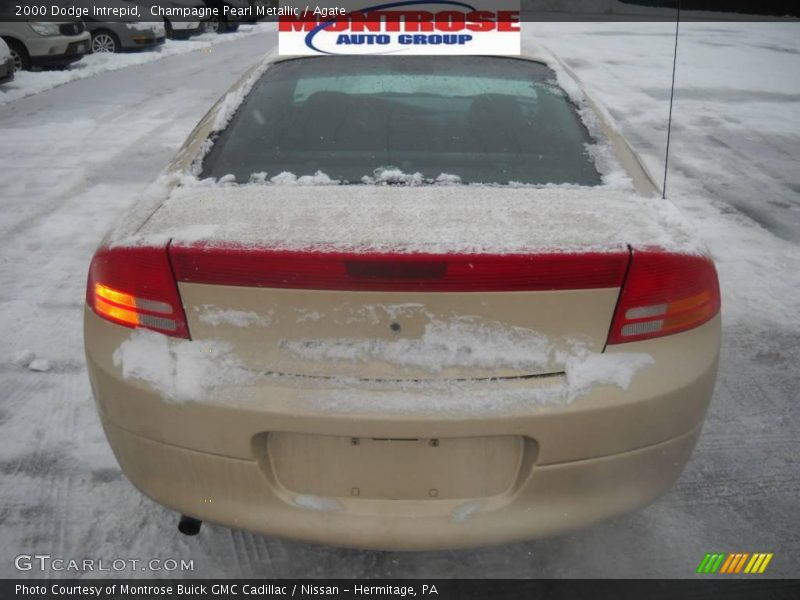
x=382, y=176
x=303, y=316
x=286, y=178
x=183, y=370
x=40, y=365
x=21, y=358
x=390, y=175
x=394, y=176
x=231, y=102
x=27, y=83
x=571, y=369
x=229, y=179
x=583, y=373
x=448, y=179
x=211, y=315
x=318, y=503
x=180, y=370
x=28, y=359
x=463, y=342
x=584, y=369
x=466, y=343
x=377, y=313
x=464, y=511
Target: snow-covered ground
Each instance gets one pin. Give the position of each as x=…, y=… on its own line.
x=75, y=156
x=27, y=83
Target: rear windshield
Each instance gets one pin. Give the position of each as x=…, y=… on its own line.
x=478, y=119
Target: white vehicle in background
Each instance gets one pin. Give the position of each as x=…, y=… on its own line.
x=175, y=27
x=113, y=36
x=6, y=63
x=36, y=43
x=124, y=34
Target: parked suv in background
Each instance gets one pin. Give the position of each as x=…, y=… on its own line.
x=35, y=43
x=111, y=36
x=6, y=63
x=121, y=34
x=223, y=23
x=176, y=27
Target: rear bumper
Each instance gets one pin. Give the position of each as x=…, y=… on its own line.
x=547, y=500
x=186, y=29
x=7, y=70
x=140, y=39
x=71, y=52
x=271, y=458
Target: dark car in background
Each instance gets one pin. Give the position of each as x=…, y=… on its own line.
x=124, y=33
x=175, y=27
x=226, y=22
x=111, y=36
x=6, y=63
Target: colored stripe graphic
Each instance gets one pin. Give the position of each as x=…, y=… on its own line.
x=741, y=563
x=729, y=564
x=733, y=563
x=758, y=563
x=711, y=562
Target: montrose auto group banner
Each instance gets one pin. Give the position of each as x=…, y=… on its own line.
x=402, y=27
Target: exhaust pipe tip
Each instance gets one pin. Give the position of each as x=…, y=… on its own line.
x=189, y=525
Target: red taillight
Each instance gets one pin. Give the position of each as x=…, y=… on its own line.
x=354, y=271
x=134, y=287
x=665, y=293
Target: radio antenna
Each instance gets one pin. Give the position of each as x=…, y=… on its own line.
x=671, y=98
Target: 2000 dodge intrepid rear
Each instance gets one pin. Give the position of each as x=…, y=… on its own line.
x=413, y=302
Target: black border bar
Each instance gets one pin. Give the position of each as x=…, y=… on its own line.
x=373, y=589
x=531, y=10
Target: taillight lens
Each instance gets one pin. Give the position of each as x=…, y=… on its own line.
x=135, y=287
x=665, y=293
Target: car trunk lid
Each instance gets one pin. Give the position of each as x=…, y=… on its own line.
x=398, y=283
